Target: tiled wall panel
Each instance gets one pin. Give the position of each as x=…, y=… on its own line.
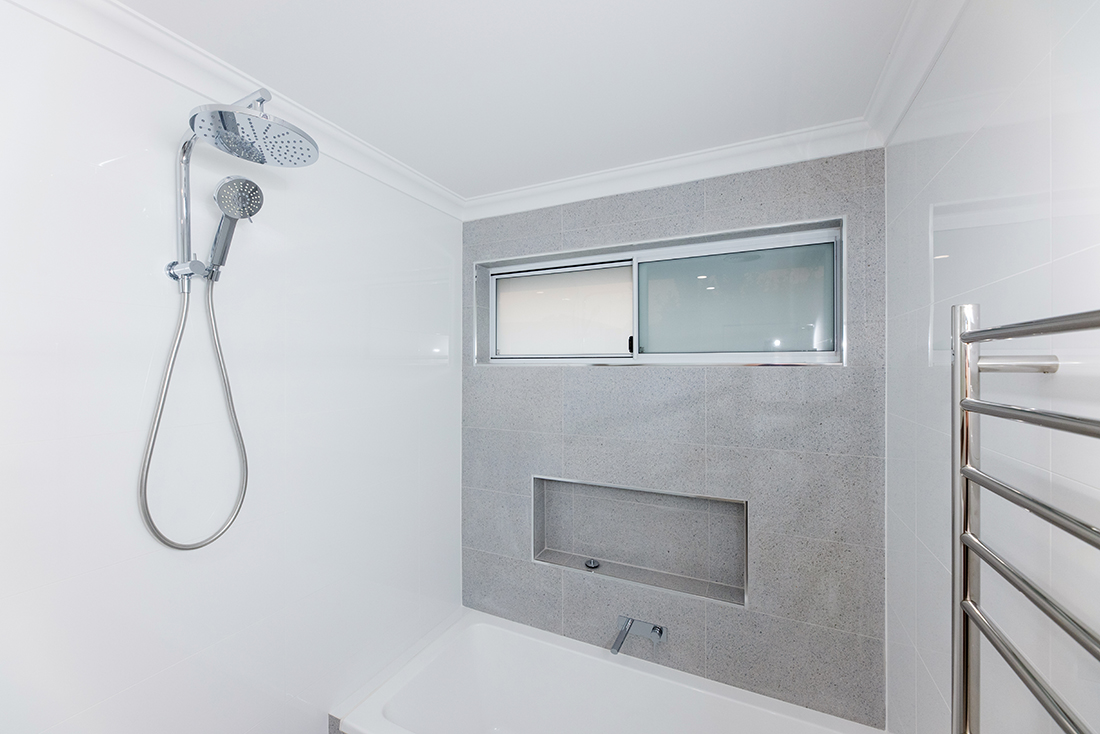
x=804, y=446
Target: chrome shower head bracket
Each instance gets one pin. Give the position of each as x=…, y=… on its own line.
x=255, y=100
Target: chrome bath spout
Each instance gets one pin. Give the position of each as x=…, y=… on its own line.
x=624, y=630
x=655, y=632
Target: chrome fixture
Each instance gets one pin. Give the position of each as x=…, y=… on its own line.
x=244, y=131
x=655, y=632
x=969, y=551
x=238, y=198
x=1046, y=363
x=248, y=132
x=592, y=564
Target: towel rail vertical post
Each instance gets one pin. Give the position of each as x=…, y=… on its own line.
x=965, y=497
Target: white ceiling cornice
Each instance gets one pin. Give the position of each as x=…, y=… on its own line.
x=835, y=139
x=120, y=30
x=924, y=33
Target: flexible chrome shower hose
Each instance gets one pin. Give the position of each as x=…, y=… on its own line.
x=185, y=301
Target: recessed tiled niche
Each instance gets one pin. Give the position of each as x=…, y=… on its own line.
x=695, y=545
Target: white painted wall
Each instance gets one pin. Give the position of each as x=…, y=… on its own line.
x=331, y=305
x=993, y=193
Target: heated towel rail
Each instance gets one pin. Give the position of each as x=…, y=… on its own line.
x=968, y=480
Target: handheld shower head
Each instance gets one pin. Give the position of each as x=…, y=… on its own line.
x=238, y=198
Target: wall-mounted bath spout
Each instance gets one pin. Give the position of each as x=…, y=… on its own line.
x=654, y=632
x=625, y=623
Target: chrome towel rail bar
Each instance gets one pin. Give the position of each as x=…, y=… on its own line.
x=1040, y=327
x=1074, y=627
x=1045, y=418
x=968, y=550
x=1057, y=708
x=1072, y=525
x=1046, y=363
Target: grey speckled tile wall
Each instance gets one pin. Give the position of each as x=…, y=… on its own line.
x=804, y=447
x=694, y=537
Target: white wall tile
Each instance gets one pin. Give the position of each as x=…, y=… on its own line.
x=330, y=308
x=1000, y=151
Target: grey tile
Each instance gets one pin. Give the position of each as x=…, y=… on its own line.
x=481, y=286
x=770, y=213
x=726, y=544
x=866, y=343
x=468, y=268
x=649, y=204
x=333, y=725
x=481, y=337
x=824, y=496
x=748, y=215
x=874, y=167
x=559, y=519
x=656, y=579
x=538, y=517
x=831, y=584
x=522, y=591
x=642, y=230
x=824, y=409
x=560, y=558
x=642, y=404
x=512, y=226
x=506, y=460
x=729, y=594
x=817, y=667
x=592, y=605
x=658, y=499
x=468, y=332
x=501, y=251
x=496, y=522
x=644, y=464
x=806, y=179
x=866, y=261
x=512, y=398
x=645, y=576
x=674, y=541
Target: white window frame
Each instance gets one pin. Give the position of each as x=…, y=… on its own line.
x=674, y=251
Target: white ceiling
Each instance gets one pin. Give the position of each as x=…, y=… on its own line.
x=487, y=96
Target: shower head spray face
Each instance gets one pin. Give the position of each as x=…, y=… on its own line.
x=238, y=198
x=253, y=135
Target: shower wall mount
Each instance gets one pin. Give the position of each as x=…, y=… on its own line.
x=244, y=131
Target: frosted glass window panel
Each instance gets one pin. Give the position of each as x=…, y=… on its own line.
x=774, y=300
x=576, y=312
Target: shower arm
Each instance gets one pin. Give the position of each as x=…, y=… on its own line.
x=184, y=266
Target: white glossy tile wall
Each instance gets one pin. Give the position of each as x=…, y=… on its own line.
x=993, y=192
x=347, y=549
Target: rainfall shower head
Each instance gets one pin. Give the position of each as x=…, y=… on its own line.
x=253, y=135
x=238, y=198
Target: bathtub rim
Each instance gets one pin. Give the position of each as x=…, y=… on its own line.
x=363, y=713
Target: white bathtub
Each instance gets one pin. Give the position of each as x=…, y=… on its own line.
x=487, y=675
